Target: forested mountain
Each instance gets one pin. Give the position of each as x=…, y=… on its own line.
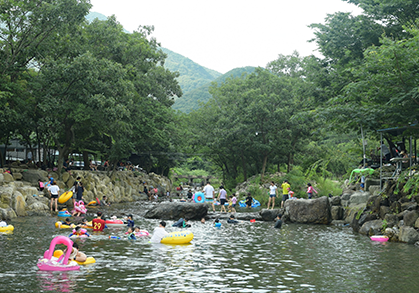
x=192, y=75
x=191, y=100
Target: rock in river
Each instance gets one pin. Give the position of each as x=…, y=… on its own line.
x=176, y=210
x=315, y=211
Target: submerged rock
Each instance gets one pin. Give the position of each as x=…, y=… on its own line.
x=371, y=228
x=175, y=211
x=315, y=211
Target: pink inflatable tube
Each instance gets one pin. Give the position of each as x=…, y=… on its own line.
x=48, y=263
x=379, y=238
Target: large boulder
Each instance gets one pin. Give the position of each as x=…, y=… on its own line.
x=269, y=215
x=7, y=214
x=336, y=212
x=351, y=212
x=371, y=227
x=7, y=177
x=315, y=211
x=408, y=234
x=358, y=198
x=37, y=209
x=410, y=218
x=19, y=204
x=335, y=201
x=32, y=176
x=384, y=210
x=346, y=194
x=17, y=176
x=176, y=210
x=391, y=220
x=410, y=206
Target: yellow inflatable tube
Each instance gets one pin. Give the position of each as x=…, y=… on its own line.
x=179, y=237
x=8, y=228
x=89, y=260
x=65, y=196
x=63, y=226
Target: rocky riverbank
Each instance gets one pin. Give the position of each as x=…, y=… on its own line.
x=20, y=197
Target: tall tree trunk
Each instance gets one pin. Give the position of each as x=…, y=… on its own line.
x=244, y=168
x=278, y=167
x=86, y=160
x=265, y=161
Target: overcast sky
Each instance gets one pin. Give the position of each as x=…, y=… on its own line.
x=223, y=35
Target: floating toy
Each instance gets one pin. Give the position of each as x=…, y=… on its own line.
x=8, y=228
x=93, y=202
x=82, y=233
x=255, y=203
x=199, y=197
x=142, y=233
x=79, y=207
x=115, y=223
x=179, y=237
x=65, y=196
x=114, y=237
x=50, y=263
x=252, y=220
x=58, y=253
x=380, y=238
x=63, y=226
x=64, y=214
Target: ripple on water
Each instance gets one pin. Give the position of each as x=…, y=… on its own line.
x=236, y=258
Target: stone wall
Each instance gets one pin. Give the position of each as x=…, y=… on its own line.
x=19, y=195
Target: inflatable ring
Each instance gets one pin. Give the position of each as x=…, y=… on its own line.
x=199, y=197
x=380, y=238
x=65, y=196
x=89, y=260
x=8, y=228
x=91, y=203
x=179, y=237
x=63, y=226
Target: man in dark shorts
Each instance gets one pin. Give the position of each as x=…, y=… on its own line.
x=278, y=223
x=249, y=200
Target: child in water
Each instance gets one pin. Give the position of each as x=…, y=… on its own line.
x=217, y=223
x=130, y=221
x=131, y=234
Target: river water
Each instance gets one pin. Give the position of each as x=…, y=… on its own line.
x=247, y=257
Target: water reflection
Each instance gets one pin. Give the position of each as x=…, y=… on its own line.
x=248, y=257
x=57, y=281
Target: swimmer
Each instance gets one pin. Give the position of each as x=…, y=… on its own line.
x=232, y=220
x=217, y=223
x=78, y=231
x=130, y=221
x=76, y=254
x=159, y=233
x=203, y=220
x=66, y=222
x=131, y=234
x=278, y=223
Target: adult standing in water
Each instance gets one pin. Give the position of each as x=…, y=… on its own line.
x=285, y=190
x=273, y=192
x=53, y=192
x=159, y=233
x=209, y=194
x=222, y=197
x=98, y=223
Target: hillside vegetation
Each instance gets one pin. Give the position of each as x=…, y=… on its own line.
x=193, y=99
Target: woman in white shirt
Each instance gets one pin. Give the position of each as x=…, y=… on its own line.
x=273, y=191
x=53, y=192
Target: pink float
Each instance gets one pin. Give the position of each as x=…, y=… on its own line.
x=380, y=238
x=115, y=223
x=141, y=233
x=50, y=263
x=79, y=207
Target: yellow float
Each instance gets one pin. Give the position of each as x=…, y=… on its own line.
x=65, y=196
x=89, y=260
x=8, y=228
x=63, y=226
x=179, y=237
x=93, y=202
